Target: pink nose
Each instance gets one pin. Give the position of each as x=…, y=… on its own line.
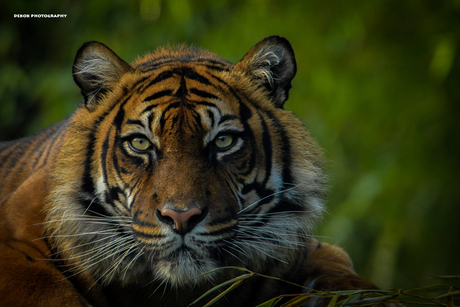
x=181, y=218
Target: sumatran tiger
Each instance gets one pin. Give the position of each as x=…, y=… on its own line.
x=174, y=166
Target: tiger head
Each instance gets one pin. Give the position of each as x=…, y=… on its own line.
x=181, y=163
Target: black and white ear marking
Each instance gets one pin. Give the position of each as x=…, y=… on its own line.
x=271, y=62
x=96, y=70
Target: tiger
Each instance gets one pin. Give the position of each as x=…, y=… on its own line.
x=175, y=173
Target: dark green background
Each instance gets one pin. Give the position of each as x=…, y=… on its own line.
x=378, y=85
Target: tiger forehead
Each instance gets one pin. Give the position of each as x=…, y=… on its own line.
x=172, y=79
x=182, y=101
x=181, y=90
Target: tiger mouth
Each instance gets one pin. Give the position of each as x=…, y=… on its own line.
x=175, y=248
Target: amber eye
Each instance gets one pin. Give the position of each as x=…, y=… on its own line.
x=224, y=141
x=140, y=144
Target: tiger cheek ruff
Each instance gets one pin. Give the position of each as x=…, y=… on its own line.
x=174, y=166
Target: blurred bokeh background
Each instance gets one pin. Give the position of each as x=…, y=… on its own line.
x=378, y=85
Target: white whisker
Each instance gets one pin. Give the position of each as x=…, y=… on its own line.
x=139, y=254
x=114, y=266
x=254, y=246
x=273, y=194
x=229, y=252
x=81, y=245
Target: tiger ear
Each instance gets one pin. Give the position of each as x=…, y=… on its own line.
x=96, y=70
x=272, y=64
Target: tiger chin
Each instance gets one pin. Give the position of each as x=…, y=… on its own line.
x=174, y=166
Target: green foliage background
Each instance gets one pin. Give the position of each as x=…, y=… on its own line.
x=378, y=85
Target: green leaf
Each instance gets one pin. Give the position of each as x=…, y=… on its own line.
x=407, y=300
x=352, y=298
x=349, y=292
x=232, y=281
x=447, y=277
x=372, y=300
x=333, y=301
x=430, y=289
x=229, y=289
x=345, y=292
x=225, y=268
x=454, y=293
x=271, y=302
x=297, y=301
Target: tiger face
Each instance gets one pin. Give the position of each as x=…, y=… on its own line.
x=182, y=163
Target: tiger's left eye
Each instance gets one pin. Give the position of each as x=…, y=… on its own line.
x=140, y=144
x=224, y=141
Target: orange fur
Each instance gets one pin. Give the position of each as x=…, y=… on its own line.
x=28, y=276
x=87, y=217
x=333, y=269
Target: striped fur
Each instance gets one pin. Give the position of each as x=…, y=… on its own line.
x=125, y=222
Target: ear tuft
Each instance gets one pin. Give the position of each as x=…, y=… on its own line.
x=271, y=63
x=96, y=70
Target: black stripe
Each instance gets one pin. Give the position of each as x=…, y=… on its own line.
x=157, y=63
x=193, y=75
x=197, y=124
x=133, y=159
x=112, y=195
x=211, y=117
x=158, y=95
x=149, y=108
x=245, y=114
x=135, y=122
x=150, y=119
x=285, y=151
x=103, y=157
x=232, y=186
x=202, y=103
x=116, y=166
x=139, y=83
x=57, y=136
x=87, y=181
x=117, y=122
x=219, y=80
x=225, y=220
x=217, y=67
x=234, y=156
x=182, y=90
x=227, y=117
x=119, y=117
x=87, y=187
x=220, y=62
x=173, y=105
x=284, y=205
x=162, y=61
x=41, y=149
x=267, y=147
x=175, y=119
x=161, y=77
x=261, y=190
x=202, y=94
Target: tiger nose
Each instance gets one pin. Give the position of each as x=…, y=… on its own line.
x=182, y=221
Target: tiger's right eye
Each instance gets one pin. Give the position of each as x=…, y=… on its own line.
x=140, y=144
